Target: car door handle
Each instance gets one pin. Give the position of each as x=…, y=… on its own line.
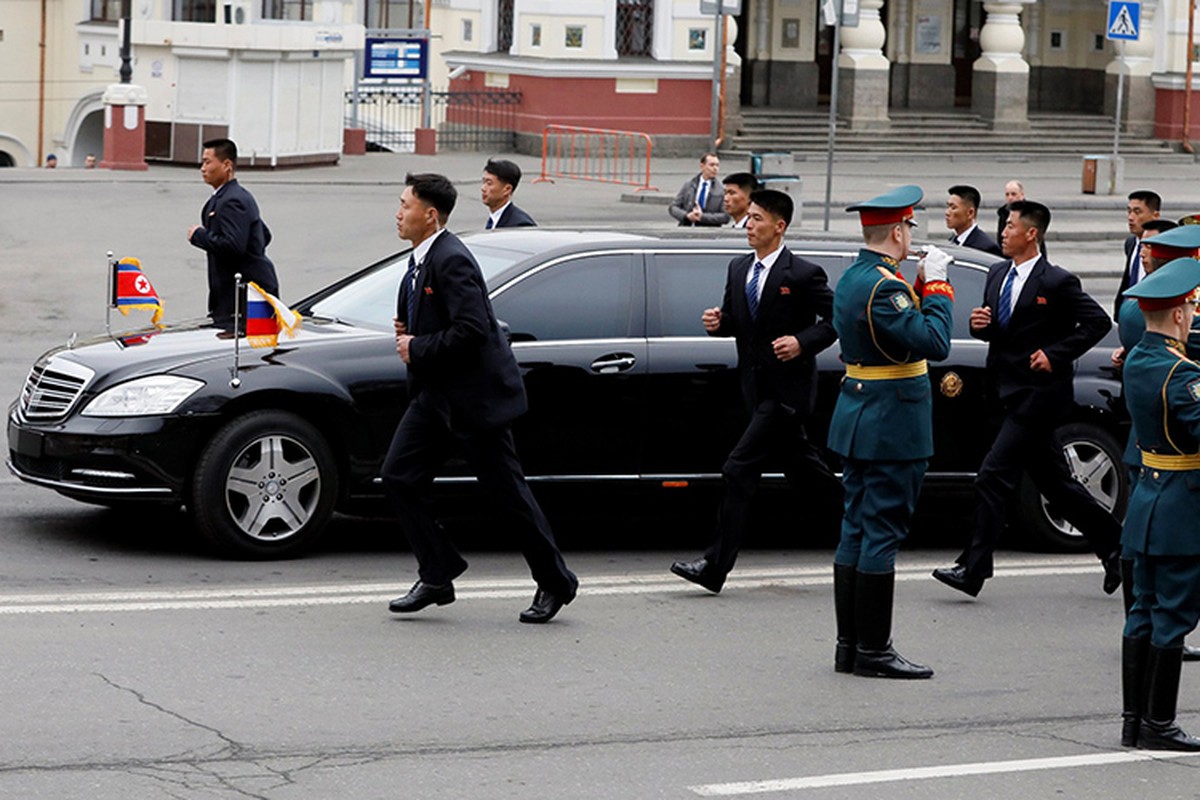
x=614, y=362
x=713, y=367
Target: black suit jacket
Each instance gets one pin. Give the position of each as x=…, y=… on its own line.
x=514, y=217
x=1052, y=314
x=459, y=356
x=796, y=301
x=1131, y=242
x=980, y=241
x=713, y=212
x=235, y=239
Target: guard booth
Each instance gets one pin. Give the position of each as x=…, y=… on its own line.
x=775, y=170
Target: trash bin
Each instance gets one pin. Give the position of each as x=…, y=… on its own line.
x=791, y=185
x=1102, y=174
x=775, y=163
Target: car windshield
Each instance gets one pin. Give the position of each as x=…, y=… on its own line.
x=370, y=301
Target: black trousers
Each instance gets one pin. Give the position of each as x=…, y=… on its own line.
x=772, y=431
x=1026, y=446
x=422, y=443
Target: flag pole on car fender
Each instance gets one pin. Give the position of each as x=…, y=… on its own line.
x=238, y=289
x=112, y=293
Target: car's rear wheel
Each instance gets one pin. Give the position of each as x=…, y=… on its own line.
x=1095, y=460
x=264, y=487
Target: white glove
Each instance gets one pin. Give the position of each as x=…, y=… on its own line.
x=935, y=264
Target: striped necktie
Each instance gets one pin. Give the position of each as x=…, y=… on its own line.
x=1005, y=309
x=410, y=285
x=752, y=289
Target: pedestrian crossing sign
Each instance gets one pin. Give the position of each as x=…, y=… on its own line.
x=1124, y=19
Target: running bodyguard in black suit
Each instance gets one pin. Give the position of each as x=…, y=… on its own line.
x=779, y=309
x=500, y=180
x=1144, y=205
x=231, y=232
x=1037, y=321
x=465, y=389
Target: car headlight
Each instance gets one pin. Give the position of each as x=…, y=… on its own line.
x=158, y=394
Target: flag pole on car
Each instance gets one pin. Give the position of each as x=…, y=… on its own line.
x=112, y=293
x=239, y=303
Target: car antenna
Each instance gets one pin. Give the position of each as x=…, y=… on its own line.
x=238, y=293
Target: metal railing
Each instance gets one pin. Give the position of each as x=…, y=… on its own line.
x=596, y=154
x=474, y=120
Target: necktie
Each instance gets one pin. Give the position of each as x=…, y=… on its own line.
x=703, y=196
x=489, y=225
x=1005, y=309
x=1136, y=265
x=752, y=289
x=410, y=284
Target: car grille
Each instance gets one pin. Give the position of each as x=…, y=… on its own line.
x=52, y=388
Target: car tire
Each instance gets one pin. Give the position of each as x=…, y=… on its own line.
x=264, y=486
x=1096, y=460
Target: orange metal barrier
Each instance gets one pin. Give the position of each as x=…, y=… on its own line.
x=596, y=154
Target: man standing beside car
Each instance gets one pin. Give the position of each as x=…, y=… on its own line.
x=500, y=179
x=1037, y=321
x=882, y=425
x=464, y=389
x=778, y=308
x=231, y=232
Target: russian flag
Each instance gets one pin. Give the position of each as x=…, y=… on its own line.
x=266, y=316
x=132, y=289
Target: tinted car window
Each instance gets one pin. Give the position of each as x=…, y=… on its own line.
x=588, y=297
x=686, y=283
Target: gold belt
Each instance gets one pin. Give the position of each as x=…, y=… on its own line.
x=887, y=373
x=1171, y=463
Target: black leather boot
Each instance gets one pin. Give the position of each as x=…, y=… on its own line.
x=1134, y=651
x=1127, y=583
x=843, y=612
x=875, y=656
x=1158, y=730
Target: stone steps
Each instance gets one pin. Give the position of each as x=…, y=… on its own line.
x=939, y=132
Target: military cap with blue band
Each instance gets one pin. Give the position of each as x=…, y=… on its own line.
x=888, y=209
x=1170, y=285
x=1175, y=243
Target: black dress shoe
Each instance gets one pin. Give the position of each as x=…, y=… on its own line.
x=545, y=605
x=1112, y=573
x=421, y=595
x=956, y=577
x=699, y=572
x=1165, y=736
x=887, y=663
x=1191, y=653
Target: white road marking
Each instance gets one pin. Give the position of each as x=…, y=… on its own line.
x=243, y=597
x=926, y=773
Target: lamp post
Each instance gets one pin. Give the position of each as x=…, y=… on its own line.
x=126, y=65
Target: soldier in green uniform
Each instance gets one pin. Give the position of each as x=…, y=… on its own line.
x=1176, y=242
x=1162, y=391
x=882, y=423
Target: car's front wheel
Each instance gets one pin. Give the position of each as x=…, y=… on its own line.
x=264, y=487
x=1094, y=458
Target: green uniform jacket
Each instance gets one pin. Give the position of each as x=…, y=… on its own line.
x=881, y=321
x=1162, y=391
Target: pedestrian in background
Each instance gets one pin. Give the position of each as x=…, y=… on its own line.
x=1013, y=191
x=231, y=232
x=778, y=307
x=882, y=423
x=962, y=207
x=699, y=201
x=738, y=188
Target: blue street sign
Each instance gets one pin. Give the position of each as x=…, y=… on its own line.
x=1124, y=19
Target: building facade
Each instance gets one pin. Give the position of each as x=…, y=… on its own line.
x=647, y=65
x=269, y=74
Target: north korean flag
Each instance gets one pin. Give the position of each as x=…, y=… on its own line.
x=134, y=290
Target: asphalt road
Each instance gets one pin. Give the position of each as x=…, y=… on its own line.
x=137, y=666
